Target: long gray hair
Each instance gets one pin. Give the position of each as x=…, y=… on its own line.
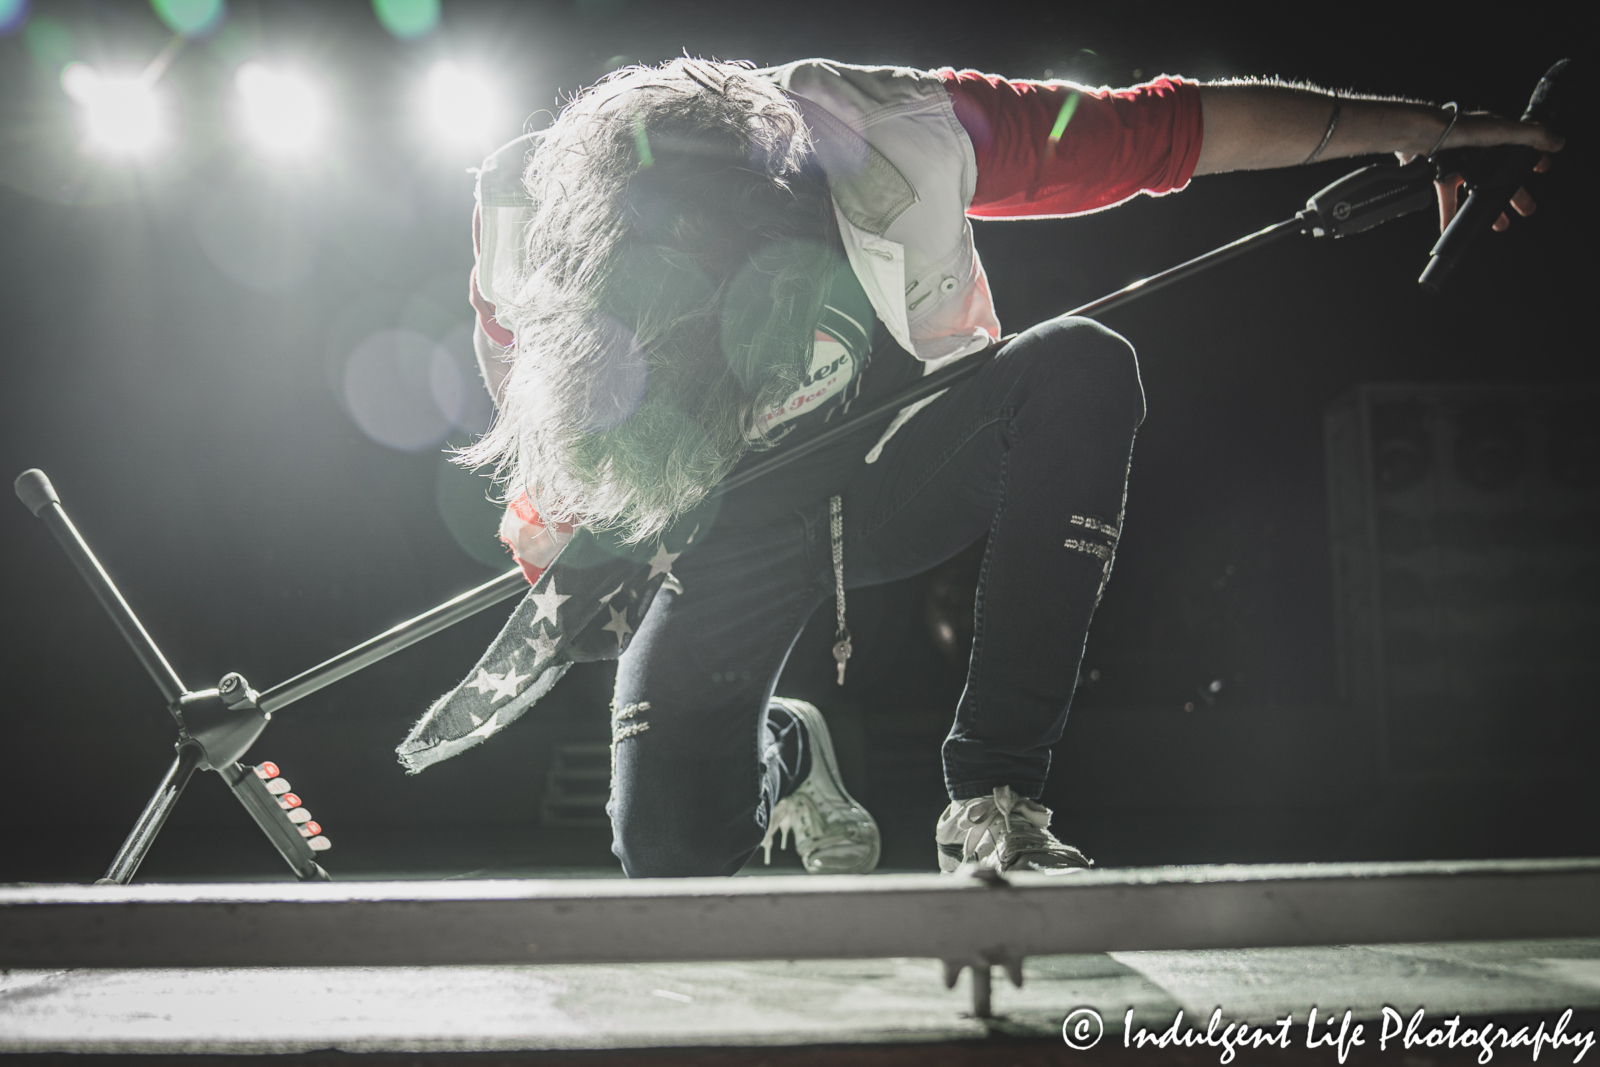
x=672, y=276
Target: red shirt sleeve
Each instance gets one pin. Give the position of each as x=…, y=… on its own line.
x=1047, y=149
x=491, y=326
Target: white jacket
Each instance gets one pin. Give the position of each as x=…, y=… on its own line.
x=901, y=171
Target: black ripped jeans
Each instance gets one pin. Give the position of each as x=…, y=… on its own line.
x=1032, y=452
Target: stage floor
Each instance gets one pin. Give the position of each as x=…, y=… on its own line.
x=769, y=1004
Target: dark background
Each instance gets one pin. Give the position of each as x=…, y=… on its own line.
x=175, y=340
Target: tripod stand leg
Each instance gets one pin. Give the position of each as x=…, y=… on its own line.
x=263, y=808
x=40, y=496
x=155, y=813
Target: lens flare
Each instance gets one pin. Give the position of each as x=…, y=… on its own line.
x=122, y=114
x=191, y=18
x=461, y=105
x=394, y=383
x=257, y=234
x=13, y=14
x=282, y=110
x=407, y=19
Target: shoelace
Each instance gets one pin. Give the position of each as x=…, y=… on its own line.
x=841, y=637
x=799, y=811
x=981, y=817
x=782, y=822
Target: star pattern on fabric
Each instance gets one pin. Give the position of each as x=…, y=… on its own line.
x=484, y=682
x=618, y=624
x=548, y=604
x=543, y=645
x=607, y=598
x=662, y=561
x=507, y=686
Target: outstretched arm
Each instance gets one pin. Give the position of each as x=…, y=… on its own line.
x=1254, y=126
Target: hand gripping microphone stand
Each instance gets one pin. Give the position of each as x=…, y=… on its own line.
x=217, y=726
x=1496, y=175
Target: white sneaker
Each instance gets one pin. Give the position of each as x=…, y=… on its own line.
x=1003, y=832
x=832, y=833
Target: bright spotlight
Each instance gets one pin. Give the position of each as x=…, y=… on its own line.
x=123, y=115
x=460, y=104
x=282, y=111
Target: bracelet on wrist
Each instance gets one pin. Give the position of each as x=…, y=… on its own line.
x=1455, y=113
x=1333, y=124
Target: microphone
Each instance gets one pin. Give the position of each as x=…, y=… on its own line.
x=1499, y=172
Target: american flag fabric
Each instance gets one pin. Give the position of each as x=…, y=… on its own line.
x=585, y=607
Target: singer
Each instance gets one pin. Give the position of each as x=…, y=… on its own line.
x=702, y=261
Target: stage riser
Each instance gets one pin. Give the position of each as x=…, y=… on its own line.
x=958, y=920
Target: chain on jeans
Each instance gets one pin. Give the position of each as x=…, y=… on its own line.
x=841, y=647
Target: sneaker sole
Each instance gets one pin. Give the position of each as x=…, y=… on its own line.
x=822, y=755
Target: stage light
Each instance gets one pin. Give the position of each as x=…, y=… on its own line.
x=282, y=111
x=123, y=115
x=460, y=104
